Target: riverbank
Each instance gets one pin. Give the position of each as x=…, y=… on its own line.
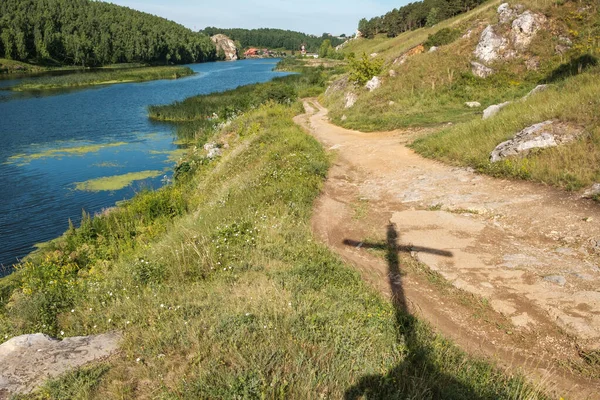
x=220, y=269
x=103, y=77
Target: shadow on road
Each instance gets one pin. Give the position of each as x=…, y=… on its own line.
x=419, y=376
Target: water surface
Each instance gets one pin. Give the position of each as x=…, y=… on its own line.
x=55, y=143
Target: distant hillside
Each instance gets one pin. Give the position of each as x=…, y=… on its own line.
x=415, y=15
x=92, y=33
x=274, y=38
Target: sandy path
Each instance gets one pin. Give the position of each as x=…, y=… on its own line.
x=532, y=252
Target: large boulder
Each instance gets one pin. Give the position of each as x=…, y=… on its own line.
x=228, y=46
x=481, y=70
x=506, y=13
x=545, y=134
x=491, y=45
x=494, y=109
x=525, y=27
x=537, y=89
x=27, y=361
x=373, y=84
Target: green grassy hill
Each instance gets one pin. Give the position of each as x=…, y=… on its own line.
x=431, y=89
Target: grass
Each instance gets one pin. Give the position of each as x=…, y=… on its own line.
x=430, y=89
x=103, y=77
x=11, y=66
x=221, y=291
x=572, y=167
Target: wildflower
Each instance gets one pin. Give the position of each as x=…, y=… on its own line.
x=62, y=333
x=72, y=311
x=127, y=323
x=162, y=306
x=90, y=308
x=109, y=320
x=137, y=360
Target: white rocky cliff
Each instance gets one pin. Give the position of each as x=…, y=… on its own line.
x=226, y=45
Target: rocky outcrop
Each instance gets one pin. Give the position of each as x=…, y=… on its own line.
x=373, y=84
x=497, y=42
x=524, y=29
x=537, y=89
x=226, y=45
x=539, y=136
x=491, y=45
x=27, y=361
x=213, y=150
x=480, y=70
x=494, y=109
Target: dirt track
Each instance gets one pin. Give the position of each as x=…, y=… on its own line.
x=532, y=252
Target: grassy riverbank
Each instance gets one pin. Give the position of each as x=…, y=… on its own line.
x=221, y=291
x=103, y=77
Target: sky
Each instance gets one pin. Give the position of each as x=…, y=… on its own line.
x=309, y=16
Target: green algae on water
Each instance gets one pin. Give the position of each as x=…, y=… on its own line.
x=24, y=159
x=116, y=182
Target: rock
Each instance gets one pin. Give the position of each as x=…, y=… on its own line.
x=539, y=136
x=213, y=150
x=468, y=34
x=373, y=55
x=592, y=191
x=410, y=53
x=490, y=45
x=506, y=13
x=558, y=279
x=391, y=103
x=344, y=117
x=533, y=64
x=222, y=42
x=537, y=89
x=481, y=70
x=432, y=49
x=473, y=104
x=392, y=73
x=561, y=49
x=373, y=84
x=525, y=27
x=350, y=99
x=495, y=109
x=565, y=41
x=27, y=361
x=339, y=85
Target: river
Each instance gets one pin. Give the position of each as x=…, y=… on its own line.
x=55, y=147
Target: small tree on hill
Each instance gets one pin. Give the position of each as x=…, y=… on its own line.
x=363, y=69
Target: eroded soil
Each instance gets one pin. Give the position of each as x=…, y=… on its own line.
x=521, y=261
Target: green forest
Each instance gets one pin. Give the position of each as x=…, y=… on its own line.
x=92, y=33
x=415, y=15
x=274, y=38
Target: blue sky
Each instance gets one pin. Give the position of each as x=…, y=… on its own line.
x=310, y=16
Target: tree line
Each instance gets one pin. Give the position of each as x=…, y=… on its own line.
x=415, y=15
x=94, y=33
x=274, y=38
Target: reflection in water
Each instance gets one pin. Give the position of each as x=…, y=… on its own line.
x=98, y=140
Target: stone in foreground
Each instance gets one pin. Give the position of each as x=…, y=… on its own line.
x=27, y=361
x=495, y=109
x=539, y=136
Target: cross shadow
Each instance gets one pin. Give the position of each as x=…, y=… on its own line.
x=419, y=375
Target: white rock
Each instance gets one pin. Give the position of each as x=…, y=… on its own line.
x=344, y=118
x=212, y=150
x=539, y=136
x=392, y=73
x=27, y=361
x=433, y=48
x=480, y=70
x=373, y=55
x=537, y=89
x=525, y=27
x=506, y=13
x=495, y=109
x=473, y=104
x=350, y=99
x=490, y=45
x=222, y=42
x=391, y=103
x=593, y=191
x=373, y=84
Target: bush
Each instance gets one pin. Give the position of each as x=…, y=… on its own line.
x=361, y=71
x=442, y=37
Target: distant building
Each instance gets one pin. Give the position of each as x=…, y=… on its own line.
x=251, y=52
x=303, y=50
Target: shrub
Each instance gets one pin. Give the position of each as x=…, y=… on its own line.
x=442, y=37
x=361, y=71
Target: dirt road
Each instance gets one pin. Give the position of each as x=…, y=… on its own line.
x=522, y=260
